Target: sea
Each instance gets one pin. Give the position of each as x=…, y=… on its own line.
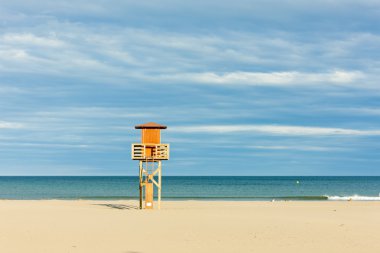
x=233, y=188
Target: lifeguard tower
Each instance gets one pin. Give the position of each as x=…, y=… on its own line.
x=150, y=152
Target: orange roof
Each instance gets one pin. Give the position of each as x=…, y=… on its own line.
x=151, y=125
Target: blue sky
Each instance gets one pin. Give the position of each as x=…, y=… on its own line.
x=245, y=87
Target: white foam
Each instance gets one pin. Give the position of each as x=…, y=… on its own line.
x=354, y=198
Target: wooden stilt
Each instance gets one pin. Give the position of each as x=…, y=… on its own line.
x=159, y=185
x=149, y=194
x=140, y=185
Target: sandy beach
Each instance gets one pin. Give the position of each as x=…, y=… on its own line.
x=188, y=226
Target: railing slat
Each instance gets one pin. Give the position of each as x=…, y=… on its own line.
x=160, y=151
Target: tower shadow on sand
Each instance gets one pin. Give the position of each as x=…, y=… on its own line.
x=119, y=206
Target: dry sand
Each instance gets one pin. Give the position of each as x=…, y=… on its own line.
x=189, y=226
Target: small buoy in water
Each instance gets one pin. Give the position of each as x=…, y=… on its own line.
x=297, y=182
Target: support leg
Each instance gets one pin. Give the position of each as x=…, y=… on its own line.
x=140, y=184
x=159, y=185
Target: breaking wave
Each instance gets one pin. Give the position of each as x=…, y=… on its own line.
x=354, y=198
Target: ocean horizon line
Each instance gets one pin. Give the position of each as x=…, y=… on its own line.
x=191, y=176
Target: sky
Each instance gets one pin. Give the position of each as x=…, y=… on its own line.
x=252, y=88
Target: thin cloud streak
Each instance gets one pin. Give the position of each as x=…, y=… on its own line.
x=276, y=130
x=298, y=148
x=95, y=112
x=10, y=125
x=270, y=78
x=58, y=146
x=30, y=39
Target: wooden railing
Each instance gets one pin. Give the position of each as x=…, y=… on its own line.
x=156, y=151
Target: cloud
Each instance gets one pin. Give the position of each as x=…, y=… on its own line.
x=93, y=112
x=358, y=111
x=30, y=39
x=124, y=55
x=297, y=148
x=4, y=89
x=51, y=147
x=10, y=125
x=275, y=130
x=270, y=78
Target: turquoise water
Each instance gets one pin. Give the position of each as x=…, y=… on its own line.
x=208, y=188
